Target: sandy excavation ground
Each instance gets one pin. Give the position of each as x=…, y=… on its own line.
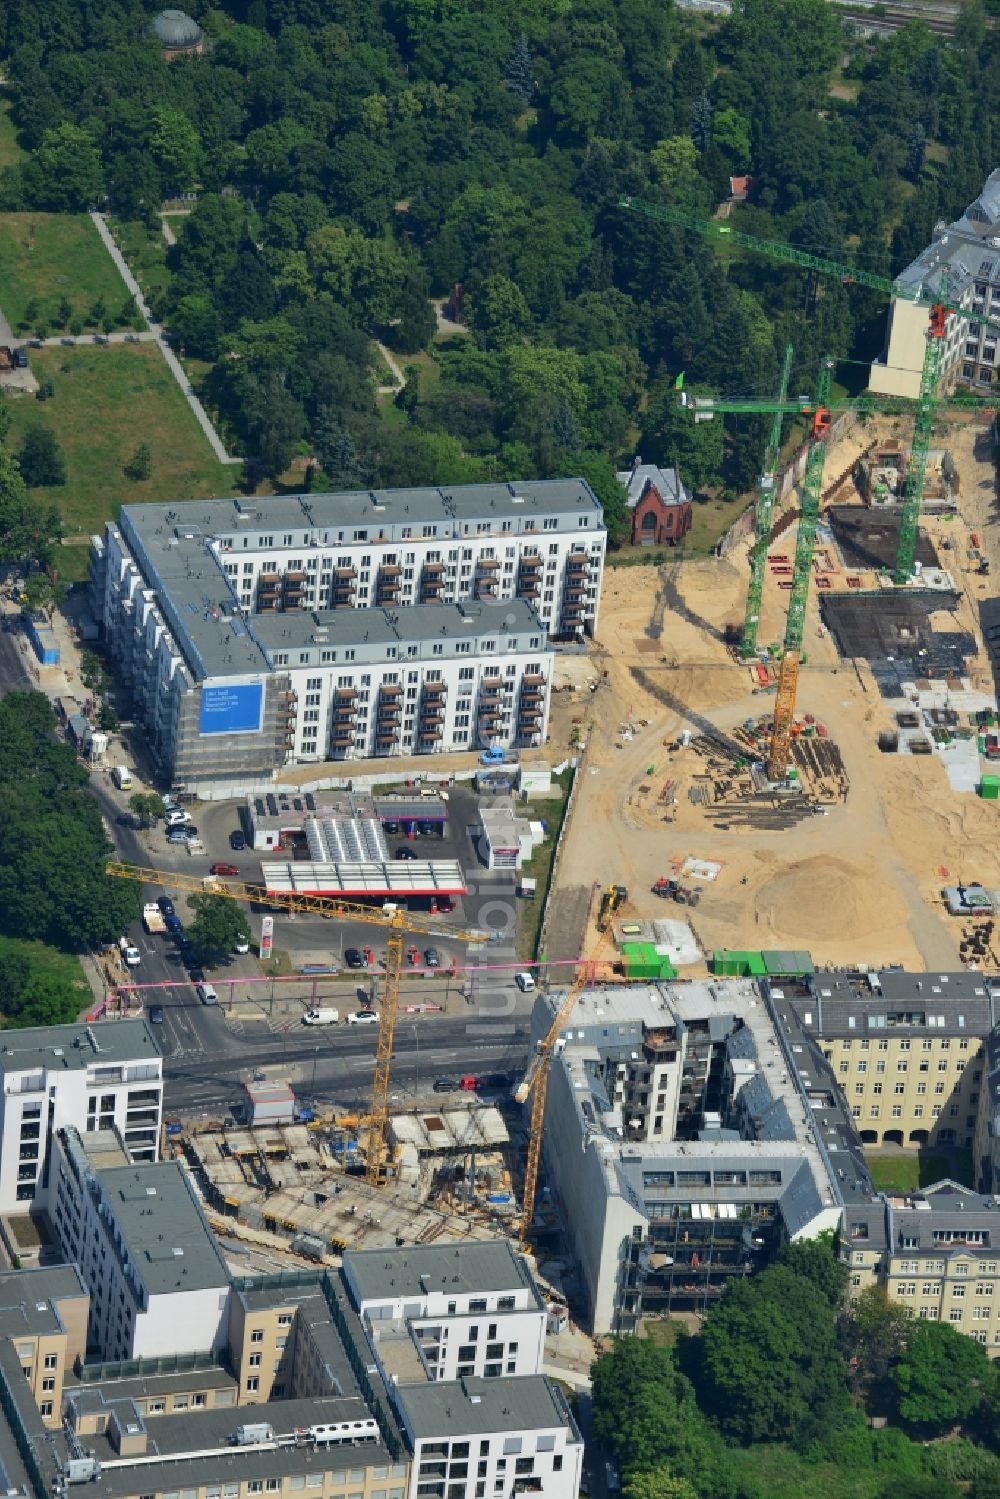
x=859, y=884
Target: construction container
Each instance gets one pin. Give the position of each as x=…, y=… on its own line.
x=269, y=1103
x=989, y=788
x=739, y=964
x=787, y=964
x=642, y=961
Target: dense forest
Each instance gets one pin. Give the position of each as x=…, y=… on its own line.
x=354, y=159
x=789, y=1391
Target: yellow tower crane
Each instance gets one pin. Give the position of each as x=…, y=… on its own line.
x=535, y=1083
x=396, y=922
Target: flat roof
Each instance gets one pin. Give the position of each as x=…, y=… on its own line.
x=71, y=1048
x=463, y=1269
x=168, y=1239
x=375, y=878
x=196, y=1448
x=180, y=554
x=462, y=1407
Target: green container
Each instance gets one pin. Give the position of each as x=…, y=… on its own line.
x=989, y=788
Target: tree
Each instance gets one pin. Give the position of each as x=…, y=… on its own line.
x=41, y=458
x=146, y=807
x=771, y=1362
x=43, y=593
x=675, y=163
x=519, y=74
x=417, y=321
x=98, y=310
x=140, y=465
x=65, y=173
x=64, y=311
x=816, y=1261
x=701, y=121
x=670, y=436
x=28, y=531
x=942, y=1377
x=338, y=453
x=659, y=1483
x=499, y=313
x=275, y=422
x=218, y=925
x=731, y=133
x=599, y=472
x=873, y=1331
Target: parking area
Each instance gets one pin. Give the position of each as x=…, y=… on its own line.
x=318, y=960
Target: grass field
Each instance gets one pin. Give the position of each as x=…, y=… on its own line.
x=146, y=252
x=905, y=1173
x=10, y=151
x=46, y=962
x=107, y=400
x=47, y=256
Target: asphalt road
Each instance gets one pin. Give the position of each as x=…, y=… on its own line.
x=13, y=677
x=207, y=1061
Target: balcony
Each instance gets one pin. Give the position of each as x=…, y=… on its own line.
x=435, y=690
x=530, y=563
x=486, y=589
x=391, y=689
x=491, y=690
x=528, y=588
x=388, y=712
x=487, y=565
x=341, y=738
x=577, y=562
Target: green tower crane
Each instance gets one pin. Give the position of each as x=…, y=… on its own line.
x=762, y=520
x=940, y=311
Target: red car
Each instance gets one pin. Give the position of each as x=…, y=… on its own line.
x=224, y=869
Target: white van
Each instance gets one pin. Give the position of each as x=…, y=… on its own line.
x=321, y=1017
x=122, y=777
x=524, y=982
x=207, y=994
x=177, y=819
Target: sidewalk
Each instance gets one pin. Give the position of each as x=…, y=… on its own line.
x=173, y=363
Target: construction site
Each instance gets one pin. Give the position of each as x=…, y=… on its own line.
x=303, y=1188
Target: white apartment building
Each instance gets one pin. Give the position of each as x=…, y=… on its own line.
x=473, y=1310
x=157, y=1279
x=458, y=1337
x=227, y=695
x=543, y=541
x=490, y=1439
x=73, y=1076
x=962, y=263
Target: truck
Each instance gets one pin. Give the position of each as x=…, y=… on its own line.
x=152, y=919
x=321, y=1017
x=122, y=777
x=492, y=756
x=131, y=955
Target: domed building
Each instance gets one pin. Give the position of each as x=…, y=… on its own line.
x=178, y=34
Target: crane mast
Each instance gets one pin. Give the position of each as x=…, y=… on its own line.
x=805, y=543
x=397, y=922
x=941, y=308
x=762, y=520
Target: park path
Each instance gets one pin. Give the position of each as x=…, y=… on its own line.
x=399, y=379
x=173, y=363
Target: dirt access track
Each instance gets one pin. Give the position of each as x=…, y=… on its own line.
x=859, y=884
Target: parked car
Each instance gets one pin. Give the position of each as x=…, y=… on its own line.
x=174, y=1127
x=156, y=1014
x=70, y=341
x=426, y=828
x=405, y=853
x=207, y=994
x=242, y=944
x=176, y=836
x=432, y=958
x=166, y=905
x=237, y=842
x=524, y=982
x=172, y=922
x=178, y=819
x=20, y=359
x=391, y=828
x=190, y=832
x=445, y=904
x=469, y=1083
x=494, y=1081
x=224, y=869
x=445, y=1085
x=354, y=958
x=362, y=1017
x=131, y=338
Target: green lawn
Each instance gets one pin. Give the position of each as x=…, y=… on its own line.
x=47, y=256
x=46, y=962
x=539, y=866
x=10, y=151
x=146, y=252
x=906, y=1173
x=107, y=400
